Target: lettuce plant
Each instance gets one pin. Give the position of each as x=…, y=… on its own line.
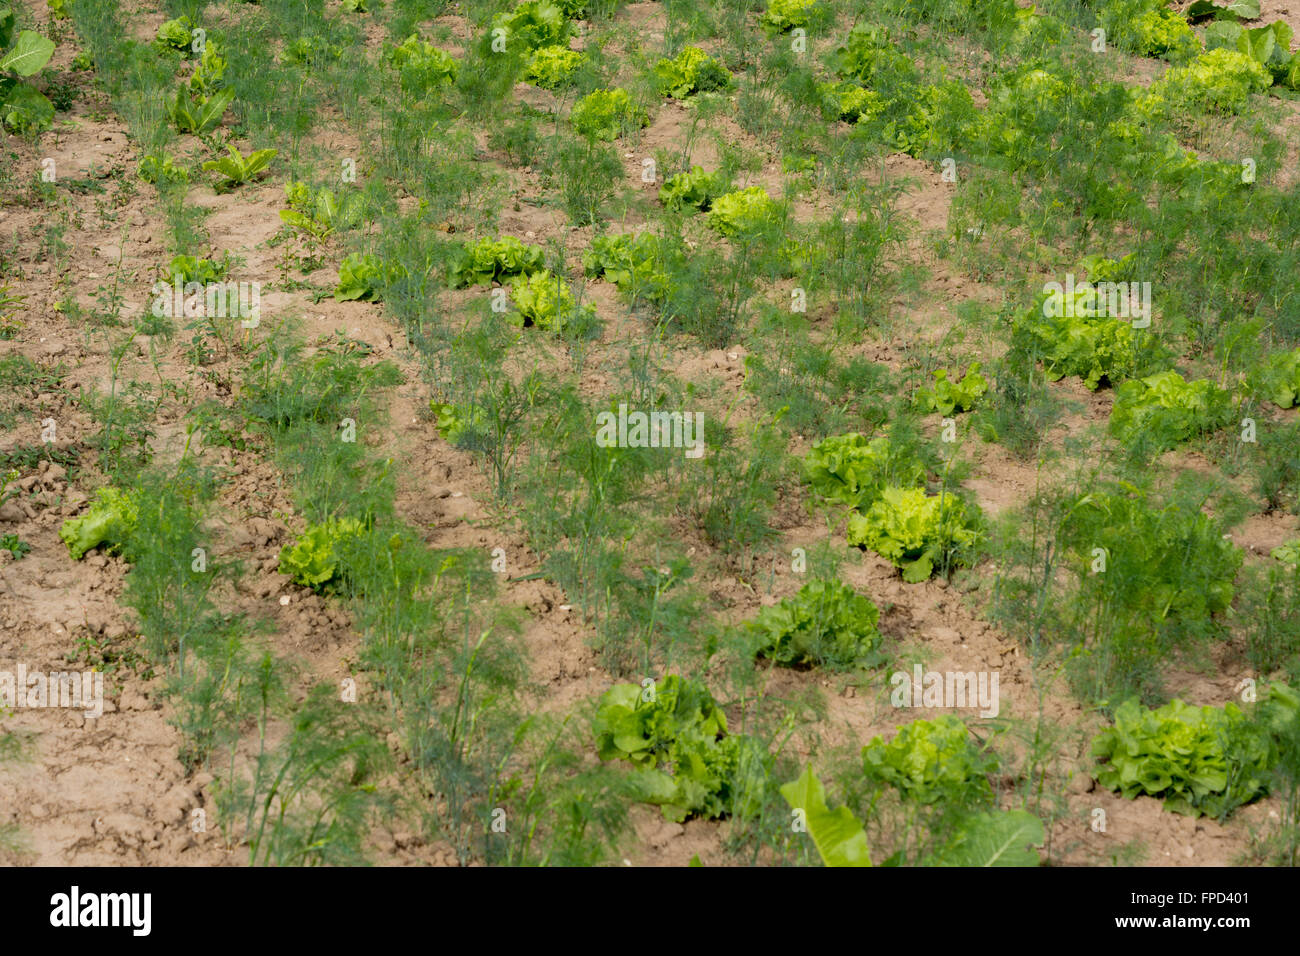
x=694, y=188
x=543, y=299
x=313, y=560
x=187, y=269
x=869, y=57
x=606, y=115
x=827, y=623
x=850, y=102
x=456, y=423
x=494, y=260
x=1288, y=553
x=1269, y=46
x=1201, y=760
x=854, y=470
x=533, y=24
x=421, y=65
x=110, y=521
x=161, y=168
x=932, y=761
x=1148, y=28
x=945, y=396
x=23, y=108
x=320, y=213
x=1217, y=81
x=744, y=212
x=1277, y=379
x=361, y=277
x=675, y=735
x=1166, y=410
x=553, y=67
x=881, y=89
x=310, y=50
x=782, y=16
x=691, y=71
x=915, y=531
x=1168, y=561
x=1092, y=347
x=634, y=263
x=176, y=34
x=210, y=72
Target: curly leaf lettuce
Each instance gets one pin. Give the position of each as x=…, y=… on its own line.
x=826, y=623
x=313, y=560
x=854, y=470
x=112, y=518
x=1201, y=760
x=932, y=761
x=676, y=736
x=915, y=531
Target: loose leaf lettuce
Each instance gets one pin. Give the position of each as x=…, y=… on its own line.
x=691, y=71
x=422, y=66
x=543, y=299
x=695, y=188
x=532, y=25
x=494, y=260
x=634, y=263
x=313, y=560
x=606, y=115
x=852, y=470
x=1201, y=760
x=784, y=15
x=826, y=623
x=744, y=212
x=112, y=518
x=915, y=531
x=1288, y=553
x=361, y=277
x=932, y=761
x=1091, y=347
x=946, y=396
x=553, y=67
x=676, y=736
x=1278, y=379
x=1167, y=410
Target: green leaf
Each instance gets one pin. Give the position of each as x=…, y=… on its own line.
x=995, y=839
x=837, y=834
x=25, y=109
x=31, y=52
x=1223, y=34
x=211, y=110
